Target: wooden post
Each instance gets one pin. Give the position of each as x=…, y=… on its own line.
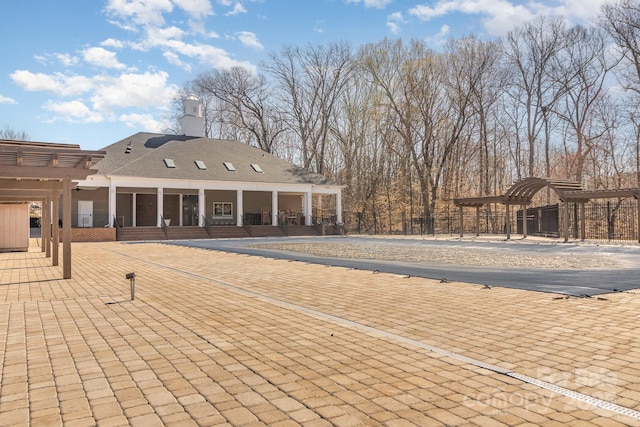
x=46, y=230
x=66, y=228
x=55, y=235
x=508, y=222
x=524, y=221
x=477, y=221
x=43, y=221
x=565, y=222
x=461, y=222
x=583, y=233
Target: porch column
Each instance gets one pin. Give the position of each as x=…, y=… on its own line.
x=508, y=222
x=46, y=226
x=66, y=229
x=240, y=208
x=274, y=208
x=134, y=209
x=55, y=220
x=201, y=207
x=308, y=208
x=461, y=216
x=180, y=207
x=583, y=234
x=565, y=222
x=477, y=221
x=339, y=207
x=160, y=206
x=112, y=204
x=524, y=221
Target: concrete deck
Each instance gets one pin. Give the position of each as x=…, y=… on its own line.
x=215, y=338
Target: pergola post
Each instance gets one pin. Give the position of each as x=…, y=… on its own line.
x=55, y=220
x=565, y=222
x=477, y=221
x=508, y=222
x=461, y=222
x=583, y=233
x=45, y=228
x=66, y=229
x=524, y=221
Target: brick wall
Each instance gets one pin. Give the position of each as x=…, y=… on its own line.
x=102, y=234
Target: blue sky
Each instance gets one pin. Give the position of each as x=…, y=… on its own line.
x=92, y=72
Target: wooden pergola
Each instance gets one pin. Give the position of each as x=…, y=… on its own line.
x=522, y=192
x=45, y=172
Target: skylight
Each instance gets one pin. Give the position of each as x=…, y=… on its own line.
x=200, y=165
x=229, y=166
x=169, y=163
x=256, y=167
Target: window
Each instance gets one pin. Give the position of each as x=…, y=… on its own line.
x=229, y=166
x=222, y=210
x=169, y=163
x=256, y=167
x=200, y=165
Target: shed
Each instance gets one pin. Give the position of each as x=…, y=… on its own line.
x=14, y=227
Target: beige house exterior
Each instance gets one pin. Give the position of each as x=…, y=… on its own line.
x=190, y=180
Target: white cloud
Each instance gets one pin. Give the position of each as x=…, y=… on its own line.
x=64, y=58
x=394, y=20
x=441, y=37
x=144, y=122
x=101, y=57
x=113, y=43
x=174, y=59
x=73, y=111
x=237, y=10
x=7, y=100
x=128, y=14
x=377, y=4
x=146, y=90
x=58, y=83
x=501, y=16
x=197, y=9
x=249, y=39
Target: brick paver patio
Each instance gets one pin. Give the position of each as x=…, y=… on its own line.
x=222, y=339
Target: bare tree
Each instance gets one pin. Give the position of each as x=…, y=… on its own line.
x=9, y=133
x=247, y=101
x=621, y=19
x=582, y=70
x=312, y=80
x=531, y=52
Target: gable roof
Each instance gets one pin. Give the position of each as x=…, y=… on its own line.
x=143, y=155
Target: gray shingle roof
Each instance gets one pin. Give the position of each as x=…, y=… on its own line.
x=143, y=155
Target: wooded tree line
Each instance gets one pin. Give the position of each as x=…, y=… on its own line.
x=407, y=128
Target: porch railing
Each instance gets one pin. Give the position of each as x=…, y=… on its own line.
x=165, y=228
x=117, y=226
x=207, y=225
x=284, y=226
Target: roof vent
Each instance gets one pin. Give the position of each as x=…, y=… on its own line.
x=128, y=149
x=169, y=163
x=229, y=166
x=256, y=167
x=200, y=165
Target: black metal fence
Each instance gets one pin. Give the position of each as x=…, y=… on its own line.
x=612, y=220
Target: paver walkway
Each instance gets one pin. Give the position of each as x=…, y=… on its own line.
x=225, y=339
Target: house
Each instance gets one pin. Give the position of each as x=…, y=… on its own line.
x=148, y=180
